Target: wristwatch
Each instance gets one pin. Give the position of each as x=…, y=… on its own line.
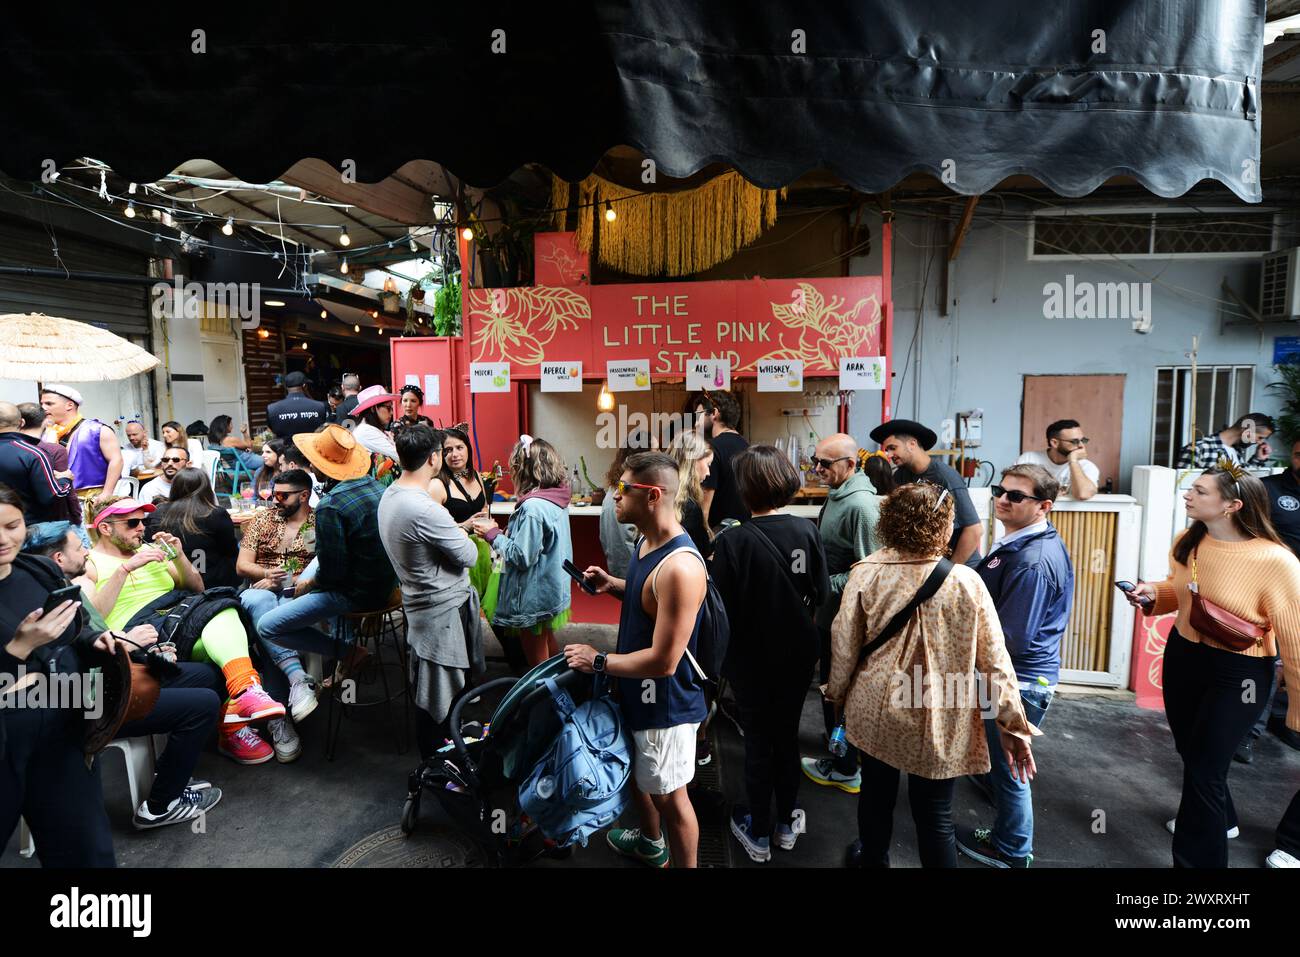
x=598, y=663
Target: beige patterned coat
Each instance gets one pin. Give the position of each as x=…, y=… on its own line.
x=916, y=704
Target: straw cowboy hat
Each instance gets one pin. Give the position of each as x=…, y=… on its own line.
x=335, y=451
x=371, y=396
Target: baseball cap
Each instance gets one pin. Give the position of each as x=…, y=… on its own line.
x=295, y=380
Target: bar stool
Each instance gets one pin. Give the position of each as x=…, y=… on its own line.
x=370, y=628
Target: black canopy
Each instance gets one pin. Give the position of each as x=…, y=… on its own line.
x=969, y=90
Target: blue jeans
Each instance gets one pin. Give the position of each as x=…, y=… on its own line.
x=291, y=625
x=1013, y=830
x=259, y=601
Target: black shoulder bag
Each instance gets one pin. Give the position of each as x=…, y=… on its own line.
x=782, y=561
x=896, y=624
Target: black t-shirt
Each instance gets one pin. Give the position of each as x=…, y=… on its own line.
x=296, y=413
x=773, y=634
x=20, y=595
x=693, y=522
x=727, y=502
x=212, y=550
x=940, y=473
x=345, y=408
x=1284, y=507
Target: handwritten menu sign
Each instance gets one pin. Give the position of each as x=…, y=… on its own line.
x=628, y=375
x=561, y=376
x=489, y=377
x=783, y=376
x=710, y=374
x=862, y=372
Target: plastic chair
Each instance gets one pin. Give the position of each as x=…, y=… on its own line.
x=371, y=628
x=232, y=467
x=210, y=459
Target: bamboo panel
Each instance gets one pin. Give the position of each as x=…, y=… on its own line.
x=1089, y=538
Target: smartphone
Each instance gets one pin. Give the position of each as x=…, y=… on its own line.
x=576, y=574
x=60, y=595
x=1127, y=587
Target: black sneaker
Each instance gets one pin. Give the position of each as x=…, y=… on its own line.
x=703, y=751
x=1246, y=752
x=977, y=844
x=189, y=806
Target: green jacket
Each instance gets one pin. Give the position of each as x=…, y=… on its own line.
x=848, y=530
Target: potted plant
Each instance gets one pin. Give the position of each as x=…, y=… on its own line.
x=1287, y=388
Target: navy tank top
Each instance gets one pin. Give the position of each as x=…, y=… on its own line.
x=656, y=702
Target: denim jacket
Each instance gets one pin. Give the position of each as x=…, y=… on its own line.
x=534, y=585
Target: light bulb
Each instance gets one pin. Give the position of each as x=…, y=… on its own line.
x=605, y=401
x=304, y=347
x=263, y=334
x=344, y=238
x=374, y=313
x=467, y=234
x=324, y=314
x=381, y=330
x=356, y=327
x=344, y=268
x=130, y=210
x=229, y=228
x=415, y=247
x=610, y=215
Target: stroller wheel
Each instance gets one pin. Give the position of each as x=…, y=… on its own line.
x=410, y=815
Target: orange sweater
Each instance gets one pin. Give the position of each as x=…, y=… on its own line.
x=1256, y=579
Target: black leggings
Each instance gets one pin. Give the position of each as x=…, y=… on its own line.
x=931, y=803
x=769, y=712
x=1288, y=832
x=1203, y=690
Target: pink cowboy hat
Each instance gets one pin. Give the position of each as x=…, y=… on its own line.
x=371, y=396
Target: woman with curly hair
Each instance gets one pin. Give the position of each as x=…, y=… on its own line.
x=914, y=704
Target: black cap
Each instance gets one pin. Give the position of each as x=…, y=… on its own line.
x=295, y=380
x=916, y=430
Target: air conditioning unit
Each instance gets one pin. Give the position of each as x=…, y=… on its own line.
x=1279, y=285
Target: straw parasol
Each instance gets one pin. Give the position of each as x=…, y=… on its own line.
x=50, y=349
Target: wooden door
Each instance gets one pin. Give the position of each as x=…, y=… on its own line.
x=1096, y=401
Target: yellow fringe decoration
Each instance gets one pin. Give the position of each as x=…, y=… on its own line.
x=559, y=203
x=672, y=234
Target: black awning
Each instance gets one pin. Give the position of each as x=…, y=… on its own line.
x=970, y=90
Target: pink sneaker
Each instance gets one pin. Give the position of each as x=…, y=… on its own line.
x=245, y=747
x=253, y=705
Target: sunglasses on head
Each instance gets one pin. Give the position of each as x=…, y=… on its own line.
x=623, y=487
x=1013, y=496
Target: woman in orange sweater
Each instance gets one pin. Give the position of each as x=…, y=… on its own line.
x=1213, y=694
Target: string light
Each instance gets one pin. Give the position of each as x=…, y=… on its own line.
x=415, y=247
x=605, y=401
x=229, y=228
x=381, y=330
x=467, y=234
x=304, y=347
x=344, y=268
x=610, y=215
x=130, y=210
x=374, y=313
x=356, y=327
x=324, y=314
x=273, y=302
x=263, y=334
x=344, y=238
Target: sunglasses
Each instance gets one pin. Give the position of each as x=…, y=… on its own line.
x=1083, y=441
x=1013, y=496
x=285, y=496
x=174, y=458
x=827, y=463
x=128, y=522
x=623, y=487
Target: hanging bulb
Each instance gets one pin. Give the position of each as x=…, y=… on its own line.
x=130, y=210
x=610, y=215
x=381, y=330
x=131, y=188
x=374, y=313
x=467, y=234
x=415, y=247
x=605, y=401
x=344, y=268
x=356, y=327
x=229, y=228
x=324, y=314
x=304, y=347
x=263, y=333
x=344, y=238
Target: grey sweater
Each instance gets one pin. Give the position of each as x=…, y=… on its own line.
x=848, y=530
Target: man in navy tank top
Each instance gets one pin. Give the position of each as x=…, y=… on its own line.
x=654, y=667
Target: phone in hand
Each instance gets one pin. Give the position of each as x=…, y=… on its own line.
x=576, y=574
x=1126, y=587
x=57, y=597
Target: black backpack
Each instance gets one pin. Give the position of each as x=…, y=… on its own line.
x=715, y=630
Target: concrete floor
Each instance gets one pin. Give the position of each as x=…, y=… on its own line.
x=1101, y=762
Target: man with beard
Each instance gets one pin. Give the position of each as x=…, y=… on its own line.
x=278, y=543
x=188, y=704
x=172, y=461
x=717, y=418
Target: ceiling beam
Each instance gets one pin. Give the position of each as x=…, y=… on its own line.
x=963, y=227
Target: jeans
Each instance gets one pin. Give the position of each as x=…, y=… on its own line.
x=44, y=778
x=1208, y=718
x=259, y=601
x=291, y=625
x=931, y=803
x=848, y=762
x=1013, y=829
x=187, y=711
x=769, y=712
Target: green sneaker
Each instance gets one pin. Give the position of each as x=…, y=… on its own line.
x=629, y=842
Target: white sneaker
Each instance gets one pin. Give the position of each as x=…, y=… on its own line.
x=1232, y=831
x=787, y=834
x=1281, y=858
x=285, y=740
x=302, y=700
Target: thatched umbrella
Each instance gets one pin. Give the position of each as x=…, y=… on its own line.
x=50, y=349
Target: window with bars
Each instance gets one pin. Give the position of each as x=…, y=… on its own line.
x=1222, y=395
x=1160, y=234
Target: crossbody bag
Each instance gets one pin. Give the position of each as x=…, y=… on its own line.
x=784, y=563
x=1219, y=624
x=923, y=594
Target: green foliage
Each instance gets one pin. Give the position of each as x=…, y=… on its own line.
x=1287, y=388
x=446, y=307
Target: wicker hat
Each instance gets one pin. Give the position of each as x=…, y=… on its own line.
x=335, y=451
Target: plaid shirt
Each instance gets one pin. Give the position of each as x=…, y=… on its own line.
x=352, y=557
x=1207, y=451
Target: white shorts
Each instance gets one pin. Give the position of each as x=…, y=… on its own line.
x=665, y=758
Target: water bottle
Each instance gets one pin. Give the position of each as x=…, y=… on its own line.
x=839, y=743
